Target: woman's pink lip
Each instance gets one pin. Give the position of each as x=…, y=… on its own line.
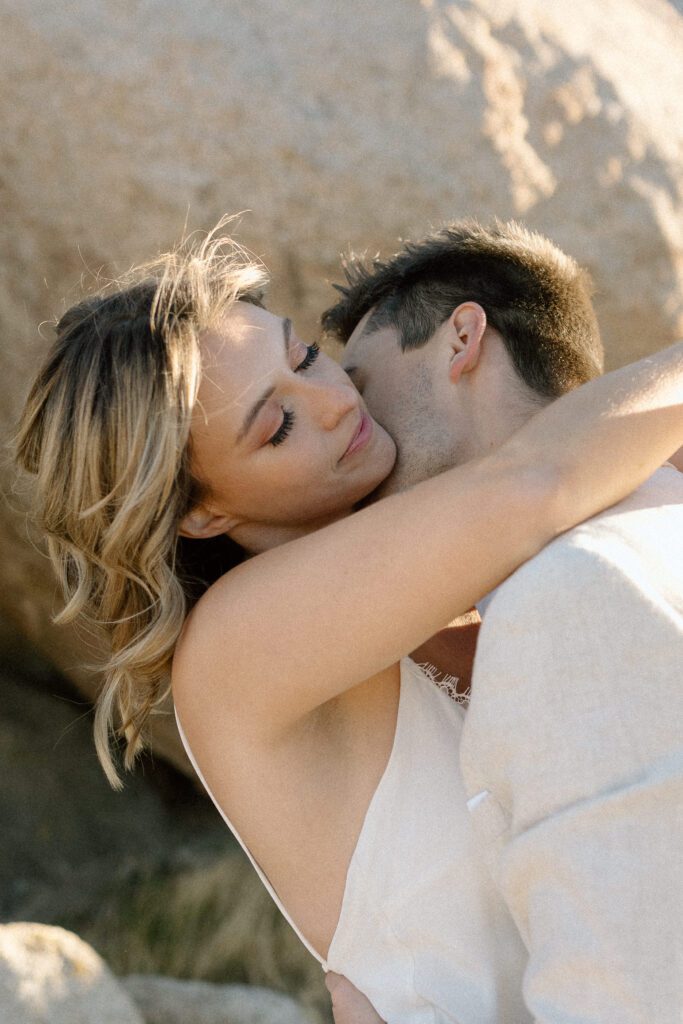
x=361, y=437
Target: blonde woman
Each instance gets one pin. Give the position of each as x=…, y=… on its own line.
x=177, y=405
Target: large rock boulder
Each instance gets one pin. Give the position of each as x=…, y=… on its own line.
x=336, y=124
x=167, y=1001
x=49, y=976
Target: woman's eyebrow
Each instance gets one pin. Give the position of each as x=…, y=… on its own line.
x=253, y=413
x=260, y=402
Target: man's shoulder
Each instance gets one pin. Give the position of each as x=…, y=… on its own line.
x=639, y=539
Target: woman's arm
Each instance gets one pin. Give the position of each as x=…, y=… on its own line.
x=296, y=626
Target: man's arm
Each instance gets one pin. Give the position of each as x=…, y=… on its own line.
x=573, y=762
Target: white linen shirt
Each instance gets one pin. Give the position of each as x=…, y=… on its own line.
x=572, y=757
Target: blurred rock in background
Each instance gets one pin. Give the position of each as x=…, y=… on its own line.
x=50, y=976
x=166, y=1001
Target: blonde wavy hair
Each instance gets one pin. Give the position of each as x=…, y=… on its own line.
x=106, y=431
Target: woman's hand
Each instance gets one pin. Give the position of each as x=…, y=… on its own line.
x=349, y=1006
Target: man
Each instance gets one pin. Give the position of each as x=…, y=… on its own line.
x=572, y=753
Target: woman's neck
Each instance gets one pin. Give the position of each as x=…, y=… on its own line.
x=258, y=537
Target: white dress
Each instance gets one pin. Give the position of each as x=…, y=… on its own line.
x=422, y=930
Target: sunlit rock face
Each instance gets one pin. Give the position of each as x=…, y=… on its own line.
x=50, y=976
x=336, y=125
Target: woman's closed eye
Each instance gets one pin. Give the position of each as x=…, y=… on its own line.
x=284, y=429
x=282, y=432
x=312, y=353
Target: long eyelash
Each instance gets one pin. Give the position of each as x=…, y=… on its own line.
x=312, y=353
x=284, y=428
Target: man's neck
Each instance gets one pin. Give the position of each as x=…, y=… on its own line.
x=496, y=420
x=472, y=438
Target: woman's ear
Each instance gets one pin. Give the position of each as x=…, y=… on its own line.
x=467, y=324
x=200, y=524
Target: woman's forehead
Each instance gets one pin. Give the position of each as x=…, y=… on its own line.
x=243, y=330
x=240, y=354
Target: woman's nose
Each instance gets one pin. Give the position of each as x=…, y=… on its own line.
x=332, y=402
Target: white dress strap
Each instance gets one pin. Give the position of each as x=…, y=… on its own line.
x=257, y=867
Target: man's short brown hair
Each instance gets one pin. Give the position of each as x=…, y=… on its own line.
x=534, y=295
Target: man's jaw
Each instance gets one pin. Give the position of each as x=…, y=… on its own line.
x=412, y=468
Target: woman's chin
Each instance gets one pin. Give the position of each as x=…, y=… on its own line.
x=386, y=454
x=386, y=461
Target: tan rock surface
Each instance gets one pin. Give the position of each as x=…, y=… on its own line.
x=335, y=124
x=49, y=976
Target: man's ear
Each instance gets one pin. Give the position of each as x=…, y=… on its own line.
x=467, y=324
x=200, y=524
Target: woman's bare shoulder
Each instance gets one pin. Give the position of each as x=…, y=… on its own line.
x=203, y=650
